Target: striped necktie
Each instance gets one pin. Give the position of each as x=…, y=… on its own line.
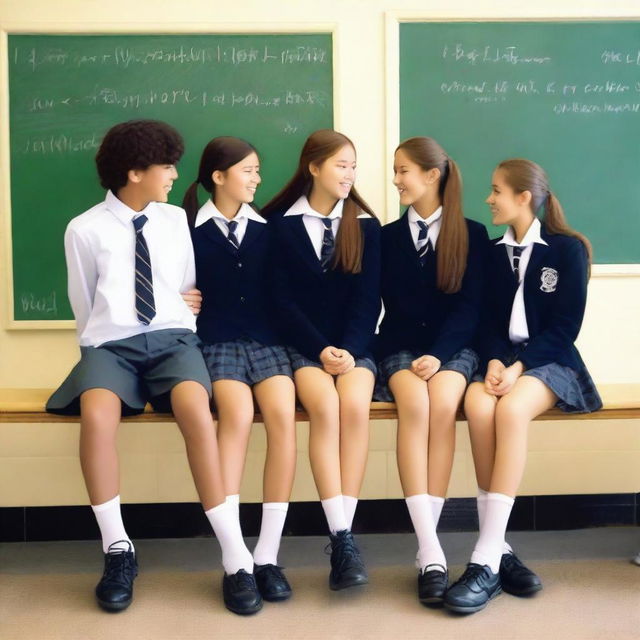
x=517, y=251
x=145, y=303
x=423, y=249
x=328, y=244
x=232, y=225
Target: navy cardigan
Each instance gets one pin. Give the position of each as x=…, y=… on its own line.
x=555, y=295
x=418, y=316
x=234, y=284
x=319, y=309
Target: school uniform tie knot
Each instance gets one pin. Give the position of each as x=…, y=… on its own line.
x=423, y=242
x=328, y=244
x=517, y=252
x=232, y=225
x=145, y=303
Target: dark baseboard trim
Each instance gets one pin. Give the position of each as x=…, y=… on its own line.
x=187, y=520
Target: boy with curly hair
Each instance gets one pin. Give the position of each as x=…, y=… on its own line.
x=129, y=258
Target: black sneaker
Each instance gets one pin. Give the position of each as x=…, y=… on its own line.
x=347, y=567
x=473, y=590
x=240, y=593
x=517, y=579
x=272, y=583
x=432, y=584
x=115, y=590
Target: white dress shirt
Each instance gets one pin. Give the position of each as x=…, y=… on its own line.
x=100, y=252
x=313, y=220
x=209, y=211
x=434, y=221
x=518, y=329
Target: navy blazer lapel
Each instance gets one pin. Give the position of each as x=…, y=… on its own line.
x=405, y=242
x=213, y=233
x=302, y=243
x=253, y=231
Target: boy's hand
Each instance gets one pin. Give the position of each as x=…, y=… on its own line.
x=193, y=298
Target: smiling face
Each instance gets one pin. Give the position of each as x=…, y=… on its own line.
x=412, y=181
x=240, y=181
x=506, y=205
x=154, y=183
x=334, y=178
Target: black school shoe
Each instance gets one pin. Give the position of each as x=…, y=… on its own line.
x=240, y=593
x=114, y=592
x=347, y=567
x=473, y=590
x=517, y=579
x=432, y=585
x=272, y=583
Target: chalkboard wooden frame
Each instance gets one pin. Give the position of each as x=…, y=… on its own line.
x=111, y=29
x=393, y=20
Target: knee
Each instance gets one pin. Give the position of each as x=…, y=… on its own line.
x=509, y=414
x=415, y=410
x=442, y=413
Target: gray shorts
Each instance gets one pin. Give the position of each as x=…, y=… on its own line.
x=140, y=369
x=464, y=362
x=298, y=361
x=246, y=360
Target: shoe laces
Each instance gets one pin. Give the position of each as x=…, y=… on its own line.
x=243, y=579
x=473, y=572
x=119, y=564
x=511, y=562
x=345, y=549
x=274, y=570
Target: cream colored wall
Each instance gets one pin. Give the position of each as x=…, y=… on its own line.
x=610, y=340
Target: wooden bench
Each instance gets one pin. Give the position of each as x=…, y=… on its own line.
x=621, y=401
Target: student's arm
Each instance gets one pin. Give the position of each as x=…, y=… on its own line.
x=365, y=304
x=294, y=326
x=184, y=240
x=462, y=322
x=82, y=276
x=568, y=312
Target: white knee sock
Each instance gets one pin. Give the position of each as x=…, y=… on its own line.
x=334, y=513
x=436, y=508
x=482, y=505
x=273, y=517
x=429, y=549
x=109, y=519
x=349, y=503
x=489, y=547
x=226, y=525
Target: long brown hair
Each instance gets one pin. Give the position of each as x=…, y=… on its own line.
x=453, y=239
x=319, y=146
x=524, y=175
x=220, y=154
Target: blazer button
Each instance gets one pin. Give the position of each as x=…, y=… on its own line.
x=240, y=265
x=241, y=298
x=423, y=324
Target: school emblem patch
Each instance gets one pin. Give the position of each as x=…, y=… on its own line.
x=548, y=279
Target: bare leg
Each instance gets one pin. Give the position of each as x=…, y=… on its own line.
x=318, y=394
x=412, y=401
x=234, y=405
x=277, y=401
x=480, y=409
x=190, y=404
x=100, y=411
x=446, y=390
x=355, y=390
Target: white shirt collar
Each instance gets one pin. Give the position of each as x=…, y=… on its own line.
x=532, y=235
x=414, y=216
x=121, y=211
x=209, y=211
x=302, y=207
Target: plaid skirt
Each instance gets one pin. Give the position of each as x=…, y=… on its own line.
x=246, y=360
x=465, y=362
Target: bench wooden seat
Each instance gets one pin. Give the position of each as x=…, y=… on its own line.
x=621, y=401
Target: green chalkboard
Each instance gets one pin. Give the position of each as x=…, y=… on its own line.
x=566, y=95
x=67, y=90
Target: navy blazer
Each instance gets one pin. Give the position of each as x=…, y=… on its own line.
x=319, y=309
x=234, y=284
x=555, y=295
x=417, y=315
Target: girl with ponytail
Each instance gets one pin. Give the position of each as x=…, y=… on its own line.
x=535, y=299
x=327, y=270
x=432, y=266
x=241, y=349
